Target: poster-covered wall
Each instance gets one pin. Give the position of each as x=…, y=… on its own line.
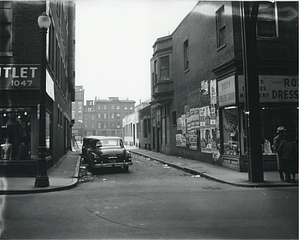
x=198, y=128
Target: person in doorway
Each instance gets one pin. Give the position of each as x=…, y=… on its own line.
x=288, y=148
x=276, y=143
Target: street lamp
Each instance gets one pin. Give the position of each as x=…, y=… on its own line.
x=42, y=179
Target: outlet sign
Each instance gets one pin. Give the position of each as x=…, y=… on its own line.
x=19, y=76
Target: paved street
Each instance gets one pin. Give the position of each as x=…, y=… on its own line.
x=152, y=201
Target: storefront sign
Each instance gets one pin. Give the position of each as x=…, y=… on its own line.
x=273, y=88
x=226, y=92
x=19, y=76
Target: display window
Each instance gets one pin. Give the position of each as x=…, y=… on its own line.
x=271, y=117
x=15, y=133
x=231, y=138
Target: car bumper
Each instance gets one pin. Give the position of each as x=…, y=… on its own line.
x=107, y=165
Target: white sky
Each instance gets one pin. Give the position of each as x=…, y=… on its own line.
x=114, y=40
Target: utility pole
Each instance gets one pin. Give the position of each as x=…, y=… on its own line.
x=249, y=12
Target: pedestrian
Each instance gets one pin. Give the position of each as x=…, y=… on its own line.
x=276, y=143
x=289, y=156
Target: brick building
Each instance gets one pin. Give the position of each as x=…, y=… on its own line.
x=20, y=66
x=198, y=86
x=104, y=117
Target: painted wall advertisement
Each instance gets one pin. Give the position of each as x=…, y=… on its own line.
x=19, y=76
x=198, y=129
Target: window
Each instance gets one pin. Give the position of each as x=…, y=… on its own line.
x=145, y=127
x=99, y=125
x=220, y=27
x=112, y=106
x=155, y=72
x=185, y=54
x=118, y=107
x=5, y=27
x=164, y=68
x=174, y=118
x=99, y=107
x=104, y=107
x=267, y=20
x=112, y=116
x=89, y=109
x=104, y=115
x=99, y=115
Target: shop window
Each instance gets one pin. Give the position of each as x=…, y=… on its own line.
x=221, y=29
x=15, y=134
x=5, y=27
x=267, y=20
x=231, y=131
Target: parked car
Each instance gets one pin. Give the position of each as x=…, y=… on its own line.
x=107, y=152
x=86, y=144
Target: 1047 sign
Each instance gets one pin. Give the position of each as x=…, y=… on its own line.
x=22, y=83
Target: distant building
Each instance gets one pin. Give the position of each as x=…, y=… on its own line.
x=77, y=113
x=137, y=126
x=104, y=117
x=20, y=78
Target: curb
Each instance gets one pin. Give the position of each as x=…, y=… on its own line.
x=210, y=177
x=49, y=189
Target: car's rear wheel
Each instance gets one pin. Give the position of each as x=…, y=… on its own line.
x=125, y=168
x=91, y=169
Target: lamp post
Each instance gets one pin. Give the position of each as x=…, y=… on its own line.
x=42, y=179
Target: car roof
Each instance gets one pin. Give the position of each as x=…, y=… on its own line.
x=89, y=137
x=107, y=137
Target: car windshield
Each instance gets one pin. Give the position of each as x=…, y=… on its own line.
x=111, y=142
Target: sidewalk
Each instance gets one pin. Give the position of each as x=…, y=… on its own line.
x=213, y=172
x=63, y=175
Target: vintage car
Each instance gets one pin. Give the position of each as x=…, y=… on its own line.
x=107, y=152
x=86, y=144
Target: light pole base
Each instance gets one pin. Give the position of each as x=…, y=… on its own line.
x=41, y=181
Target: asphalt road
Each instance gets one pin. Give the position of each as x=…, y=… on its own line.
x=152, y=201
